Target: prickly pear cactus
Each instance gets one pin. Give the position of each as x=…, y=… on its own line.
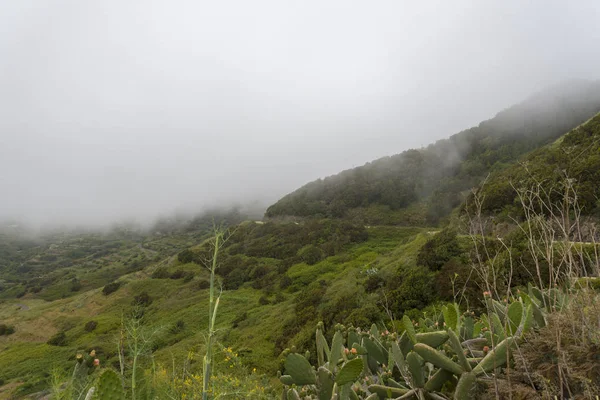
x=85, y=365
x=440, y=356
x=109, y=387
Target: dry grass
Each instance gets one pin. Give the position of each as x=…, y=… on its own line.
x=561, y=360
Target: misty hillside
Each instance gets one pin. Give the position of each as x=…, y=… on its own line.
x=64, y=293
x=419, y=187
x=574, y=157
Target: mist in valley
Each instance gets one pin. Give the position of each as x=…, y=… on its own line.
x=129, y=111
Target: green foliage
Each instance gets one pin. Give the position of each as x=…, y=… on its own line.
x=310, y=254
x=142, y=300
x=110, y=387
x=418, y=363
x=111, y=288
x=437, y=176
x=576, y=155
x=90, y=326
x=187, y=256
x=440, y=249
x=160, y=273
x=6, y=330
x=299, y=369
x=59, y=339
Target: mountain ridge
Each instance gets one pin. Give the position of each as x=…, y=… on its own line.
x=426, y=184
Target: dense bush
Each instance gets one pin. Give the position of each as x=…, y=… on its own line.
x=160, y=273
x=142, y=300
x=60, y=339
x=177, y=327
x=410, y=287
x=201, y=284
x=187, y=256
x=90, y=326
x=440, y=249
x=75, y=285
x=178, y=274
x=310, y=254
x=6, y=330
x=499, y=194
x=111, y=288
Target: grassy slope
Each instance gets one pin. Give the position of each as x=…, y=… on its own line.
x=24, y=356
x=574, y=155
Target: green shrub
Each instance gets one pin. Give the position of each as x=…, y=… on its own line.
x=263, y=301
x=6, y=330
x=187, y=256
x=142, y=300
x=60, y=339
x=90, y=326
x=177, y=327
x=279, y=297
x=285, y=282
x=238, y=319
x=178, y=274
x=75, y=285
x=111, y=288
x=160, y=273
x=310, y=254
x=201, y=284
x=438, y=250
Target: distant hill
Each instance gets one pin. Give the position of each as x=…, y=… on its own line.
x=419, y=187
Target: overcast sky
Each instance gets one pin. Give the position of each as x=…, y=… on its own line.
x=112, y=109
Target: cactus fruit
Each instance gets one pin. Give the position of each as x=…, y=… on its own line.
x=300, y=369
x=109, y=387
x=465, y=386
x=437, y=358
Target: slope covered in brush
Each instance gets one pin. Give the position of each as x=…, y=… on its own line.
x=422, y=186
x=572, y=164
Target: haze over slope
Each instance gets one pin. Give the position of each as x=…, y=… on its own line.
x=126, y=109
x=434, y=178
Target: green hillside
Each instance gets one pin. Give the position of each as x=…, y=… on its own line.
x=575, y=155
x=419, y=187
x=63, y=294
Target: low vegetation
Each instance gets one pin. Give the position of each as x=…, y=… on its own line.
x=497, y=302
